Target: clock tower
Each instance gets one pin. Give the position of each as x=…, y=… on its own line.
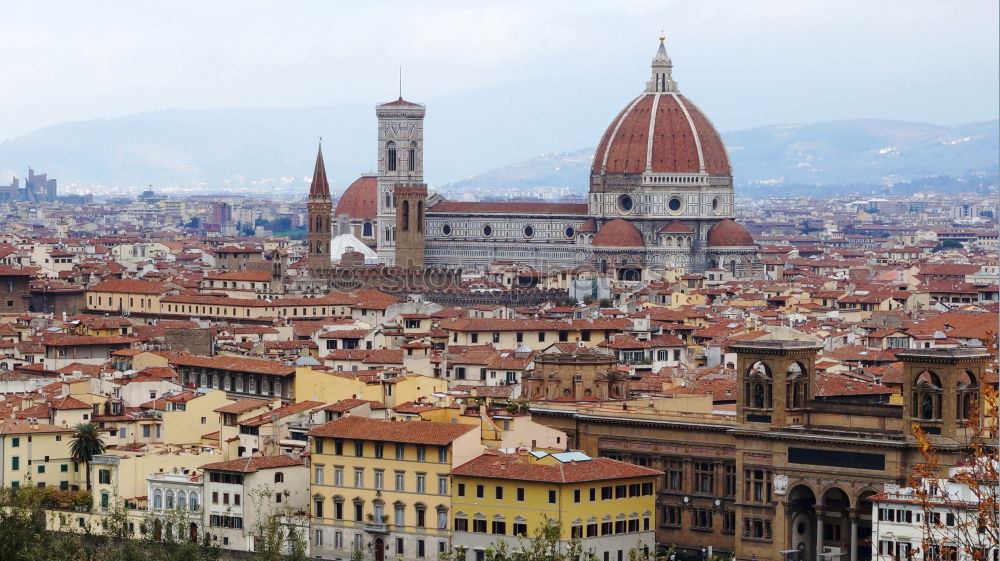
x=400, y=163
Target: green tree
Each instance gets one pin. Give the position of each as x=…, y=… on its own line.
x=86, y=443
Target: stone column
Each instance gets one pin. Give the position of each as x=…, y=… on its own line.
x=853, y=513
x=819, y=532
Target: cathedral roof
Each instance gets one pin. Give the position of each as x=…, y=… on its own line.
x=618, y=233
x=661, y=131
x=728, y=233
x=320, y=188
x=589, y=226
x=676, y=227
x=360, y=199
x=401, y=102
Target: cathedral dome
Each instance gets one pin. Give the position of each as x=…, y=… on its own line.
x=360, y=199
x=683, y=140
x=728, y=233
x=618, y=233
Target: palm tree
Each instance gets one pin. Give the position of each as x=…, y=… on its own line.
x=86, y=444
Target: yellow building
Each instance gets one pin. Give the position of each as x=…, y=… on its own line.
x=608, y=505
x=37, y=454
x=383, y=485
x=128, y=295
x=331, y=387
x=187, y=421
x=535, y=334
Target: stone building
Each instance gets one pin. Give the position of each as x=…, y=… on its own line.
x=787, y=476
x=577, y=376
x=661, y=197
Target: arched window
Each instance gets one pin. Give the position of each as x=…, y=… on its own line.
x=387, y=235
x=411, y=157
x=279, y=477
x=181, y=500
x=757, y=388
x=796, y=386
x=366, y=230
x=420, y=216
x=170, y=500
x=193, y=503
x=390, y=158
x=388, y=200
x=406, y=216
x=319, y=224
x=966, y=396
x=157, y=499
x=926, y=397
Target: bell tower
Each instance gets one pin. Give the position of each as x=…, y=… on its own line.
x=400, y=162
x=320, y=210
x=775, y=381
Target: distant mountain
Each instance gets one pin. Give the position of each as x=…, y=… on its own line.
x=842, y=155
x=270, y=151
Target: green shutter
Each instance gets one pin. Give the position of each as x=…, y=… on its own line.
x=15, y=463
x=15, y=442
x=64, y=468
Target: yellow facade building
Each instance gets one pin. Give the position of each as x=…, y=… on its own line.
x=38, y=455
x=607, y=505
x=382, y=487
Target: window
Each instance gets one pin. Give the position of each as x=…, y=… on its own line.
x=729, y=522
x=442, y=522
x=480, y=491
x=338, y=447
x=338, y=508
x=378, y=449
x=421, y=548
x=520, y=529
x=760, y=528
x=461, y=524
x=359, y=508
x=421, y=453
x=607, y=493
x=318, y=475
x=379, y=479
x=674, y=475
x=359, y=477
x=499, y=527
x=757, y=485
x=704, y=477
x=460, y=489
x=359, y=448
x=400, y=451
x=421, y=511
x=236, y=499
x=338, y=476
x=442, y=485
x=279, y=477
x=104, y=476
x=592, y=528
x=498, y=492
x=520, y=494
x=552, y=497
x=701, y=519
x=479, y=525
x=421, y=483
x=442, y=455
x=672, y=516
x=576, y=531
x=400, y=515
x=15, y=442
x=593, y=494
x=729, y=480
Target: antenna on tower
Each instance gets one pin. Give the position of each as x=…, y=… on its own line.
x=400, y=81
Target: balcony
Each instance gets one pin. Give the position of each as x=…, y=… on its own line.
x=376, y=528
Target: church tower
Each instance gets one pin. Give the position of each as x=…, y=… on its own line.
x=400, y=163
x=320, y=210
x=411, y=201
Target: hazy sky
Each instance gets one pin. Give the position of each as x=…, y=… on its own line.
x=745, y=63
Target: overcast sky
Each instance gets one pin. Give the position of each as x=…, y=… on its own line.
x=745, y=63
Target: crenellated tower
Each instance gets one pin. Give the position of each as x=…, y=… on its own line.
x=320, y=211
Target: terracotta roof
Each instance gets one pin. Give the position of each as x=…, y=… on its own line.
x=242, y=406
x=345, y=405
x=130, y=286
x=280, y=413
x=517, y=467
x=12, y=426
x=618, y=233
x=625, y=148
x=416, y=432
x=401, y=103
x=233, y=363
x=728, y=233
x=69, y=402
x=360, y=199
x=676, y=227
x=253, y=463
x=253, y=276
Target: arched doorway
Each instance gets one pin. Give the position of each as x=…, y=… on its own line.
x=863, y=519
x=193, y=532
x=834, y=524
x=801, y=506
x=379, y=548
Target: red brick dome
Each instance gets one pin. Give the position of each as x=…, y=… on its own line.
x=728, y=233
x=684, y=140
x=618, y=233
x=360, y=199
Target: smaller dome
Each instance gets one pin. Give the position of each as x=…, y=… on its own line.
x=360, y=199
x=676, y=227
x=728, y=233
x=618, y=233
